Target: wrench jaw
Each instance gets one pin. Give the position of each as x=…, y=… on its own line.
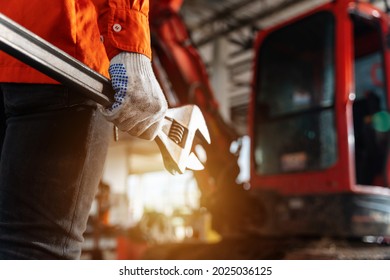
x=175, y=140
x=164, y=145
x=170, y=154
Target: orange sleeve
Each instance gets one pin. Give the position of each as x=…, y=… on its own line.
x=124, y=26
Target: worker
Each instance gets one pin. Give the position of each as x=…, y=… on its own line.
x=55, y=140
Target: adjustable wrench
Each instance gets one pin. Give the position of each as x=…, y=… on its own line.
x=176, y=138
x=180, y=126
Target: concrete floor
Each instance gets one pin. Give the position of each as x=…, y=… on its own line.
x=271, y=249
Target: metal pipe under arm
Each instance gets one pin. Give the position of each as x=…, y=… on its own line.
x=43, y=56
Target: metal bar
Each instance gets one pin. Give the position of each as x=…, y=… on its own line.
x=43, y=56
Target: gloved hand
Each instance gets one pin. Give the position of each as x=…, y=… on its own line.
x=140, y=104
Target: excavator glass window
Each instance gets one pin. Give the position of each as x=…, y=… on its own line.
x=370, y=111
x=294, y=113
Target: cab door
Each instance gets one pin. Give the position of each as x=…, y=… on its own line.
x=370, y=108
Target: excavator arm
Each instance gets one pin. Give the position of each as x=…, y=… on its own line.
x=184, y=80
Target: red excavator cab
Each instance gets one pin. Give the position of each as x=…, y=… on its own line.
x=320, y=123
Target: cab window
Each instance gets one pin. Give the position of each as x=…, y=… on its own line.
x=294, y=114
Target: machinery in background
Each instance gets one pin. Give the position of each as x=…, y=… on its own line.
x=319, y=123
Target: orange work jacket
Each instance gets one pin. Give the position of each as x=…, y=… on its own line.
x=92, y=31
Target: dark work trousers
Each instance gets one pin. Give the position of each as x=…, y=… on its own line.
x=53, y=153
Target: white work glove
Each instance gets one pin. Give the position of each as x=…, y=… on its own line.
x=140, y=104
